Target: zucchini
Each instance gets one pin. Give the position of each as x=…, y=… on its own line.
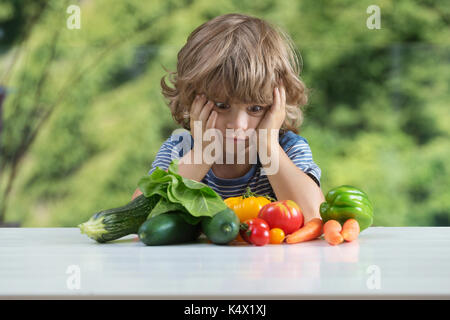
x=168, y=228
x=222, y=228
x=112, y=224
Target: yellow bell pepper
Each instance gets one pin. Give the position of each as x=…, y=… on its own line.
x=248, y=205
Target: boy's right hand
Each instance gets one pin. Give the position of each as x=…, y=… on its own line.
x=201, y=111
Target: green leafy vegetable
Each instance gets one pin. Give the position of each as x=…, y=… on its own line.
x=180, y=194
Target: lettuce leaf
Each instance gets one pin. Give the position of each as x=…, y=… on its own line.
x=180, y=194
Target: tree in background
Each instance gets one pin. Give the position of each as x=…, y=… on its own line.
x=84, y=115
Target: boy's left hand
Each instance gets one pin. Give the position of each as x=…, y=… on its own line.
x=274, y=117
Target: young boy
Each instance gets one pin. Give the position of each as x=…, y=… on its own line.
x=238, y=75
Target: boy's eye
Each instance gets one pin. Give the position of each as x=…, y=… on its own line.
x=255, y=109
x=221, y=106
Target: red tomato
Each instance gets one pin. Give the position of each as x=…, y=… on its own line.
x=285, y=215
x=255, y=231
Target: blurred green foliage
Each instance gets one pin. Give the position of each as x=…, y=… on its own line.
x=84, y=115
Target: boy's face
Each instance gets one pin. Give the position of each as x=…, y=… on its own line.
x=241, y=118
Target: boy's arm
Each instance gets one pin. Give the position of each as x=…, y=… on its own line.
x=136, y=194
x=188, y=169
x=291, y=183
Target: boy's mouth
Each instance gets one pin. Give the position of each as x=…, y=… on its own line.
x=236, y=139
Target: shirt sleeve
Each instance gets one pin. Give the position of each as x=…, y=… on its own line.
x=175, y=147
x=300, y=154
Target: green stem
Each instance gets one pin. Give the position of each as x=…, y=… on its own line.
x=249, y=194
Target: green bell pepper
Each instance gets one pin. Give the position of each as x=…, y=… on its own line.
x=347, y=202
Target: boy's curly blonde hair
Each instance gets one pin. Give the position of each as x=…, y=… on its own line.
x=236, y=58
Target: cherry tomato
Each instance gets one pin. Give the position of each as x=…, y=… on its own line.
x=276, y=236
x=255, y=231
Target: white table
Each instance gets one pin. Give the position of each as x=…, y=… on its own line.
x=385, y=263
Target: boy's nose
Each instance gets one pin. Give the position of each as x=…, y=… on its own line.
x=238, y=121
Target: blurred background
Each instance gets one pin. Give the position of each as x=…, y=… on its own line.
x=82, y=115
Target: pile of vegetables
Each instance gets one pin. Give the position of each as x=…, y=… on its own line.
x=345, y=213
x=173, y=209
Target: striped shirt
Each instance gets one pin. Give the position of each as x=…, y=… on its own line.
x=295, y=146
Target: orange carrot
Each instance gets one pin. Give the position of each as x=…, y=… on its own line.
x=350, y=230
x=310, y=231
x=331, y=230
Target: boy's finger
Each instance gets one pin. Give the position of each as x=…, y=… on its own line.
x=276, y=100
x=211, y=123
x=194, y=109
x=197, y=105
x=283, y=98
x=206, y=111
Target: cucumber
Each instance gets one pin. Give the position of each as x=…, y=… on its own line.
x=168, y=228
x=222, y=228
x=112, y=224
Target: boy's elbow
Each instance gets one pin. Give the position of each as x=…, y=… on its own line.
x=312, y=208
x=136, y=194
